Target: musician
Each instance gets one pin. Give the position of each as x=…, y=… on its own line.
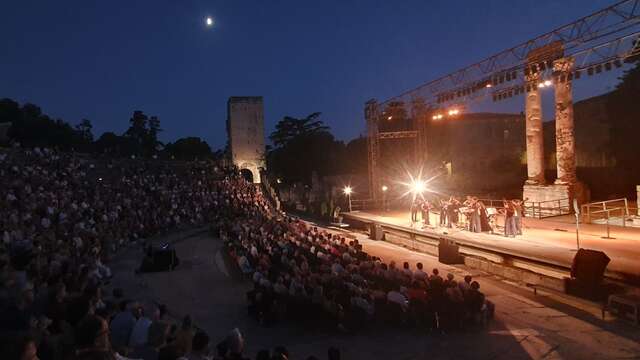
x=426, y=207
x=415, y=205
x=452, y=210
x=467, y=210
x=518, y=214
x=484, y=217
x=509, y=228
x=444, y=211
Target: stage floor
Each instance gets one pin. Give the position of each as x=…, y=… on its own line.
x=553, y=238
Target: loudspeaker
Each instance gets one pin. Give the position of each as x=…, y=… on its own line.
x=165, y=259
x=162, y=259
x=589, y=266
x=376, y=231
x=448, y=252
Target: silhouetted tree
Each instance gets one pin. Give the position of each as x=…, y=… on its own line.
x=624, y=113
x=189, y=148
x=143, y=134
x=84, y=128
x=290, y=128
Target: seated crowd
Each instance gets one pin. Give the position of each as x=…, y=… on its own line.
x=301, y=272
x=62, y=217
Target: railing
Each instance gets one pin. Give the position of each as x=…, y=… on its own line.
x=548, y=208
x=365, y=204
x=271, y=192
x=605, y=211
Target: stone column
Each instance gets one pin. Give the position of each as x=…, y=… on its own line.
x=565, y=139
x=638, y=198
x=535, y=141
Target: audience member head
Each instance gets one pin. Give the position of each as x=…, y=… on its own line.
x=157, y=335
x=200, y=343
x=93, y=332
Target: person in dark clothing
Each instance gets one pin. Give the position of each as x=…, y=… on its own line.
x=92, y=340
x=415, y=205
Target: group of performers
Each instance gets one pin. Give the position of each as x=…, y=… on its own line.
x=471, y=214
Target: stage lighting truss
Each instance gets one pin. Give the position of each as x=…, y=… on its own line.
x=615, y=27
x=594, y=60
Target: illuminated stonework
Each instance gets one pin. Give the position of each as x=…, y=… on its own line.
x=535, y=140
x=245, y=131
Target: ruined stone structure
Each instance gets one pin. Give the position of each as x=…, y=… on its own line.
x=245, y=131
x=566, y=186
x=533, y=133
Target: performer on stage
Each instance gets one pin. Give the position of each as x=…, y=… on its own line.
x=452, y=211
x=509, y=228
x=444, y=212
x=518, y=209
x=484, y=217
x=426, y=207
x=415, y=205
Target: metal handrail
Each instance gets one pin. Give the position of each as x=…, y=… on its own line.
x=540, y=209
x=601, y=207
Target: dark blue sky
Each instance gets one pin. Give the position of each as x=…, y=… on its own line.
x=103, y=59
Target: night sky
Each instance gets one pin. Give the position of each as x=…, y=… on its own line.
x=103, y=59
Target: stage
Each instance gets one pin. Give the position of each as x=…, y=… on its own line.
x=551, y=240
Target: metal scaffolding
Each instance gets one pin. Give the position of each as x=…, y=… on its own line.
x=597, y=42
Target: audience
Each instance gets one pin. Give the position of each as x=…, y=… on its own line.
x=64, y=216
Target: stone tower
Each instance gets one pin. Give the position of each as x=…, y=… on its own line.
x=245, y=131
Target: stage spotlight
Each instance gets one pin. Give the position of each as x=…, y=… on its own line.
x=542, y=66
x=384, y=188
x=488, y=85
x=418, y=186
x=540, y=85
x=347, y=190
x=390, y=117
x=548, y=83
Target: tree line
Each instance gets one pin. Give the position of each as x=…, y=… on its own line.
x=30, y=127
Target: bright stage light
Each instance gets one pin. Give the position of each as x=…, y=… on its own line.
x=390, y=117
x=547, y=83
x=418, y=186
x=488, y=85
x=384, y=188
x=437, y=117
x=541, y=85
x=347, y=190
x=454, y=112
x=209, y=21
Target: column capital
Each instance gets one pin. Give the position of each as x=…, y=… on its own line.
x=564, y=65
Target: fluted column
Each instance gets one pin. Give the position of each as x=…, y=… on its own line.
x=535, y=141
x=565, y=135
